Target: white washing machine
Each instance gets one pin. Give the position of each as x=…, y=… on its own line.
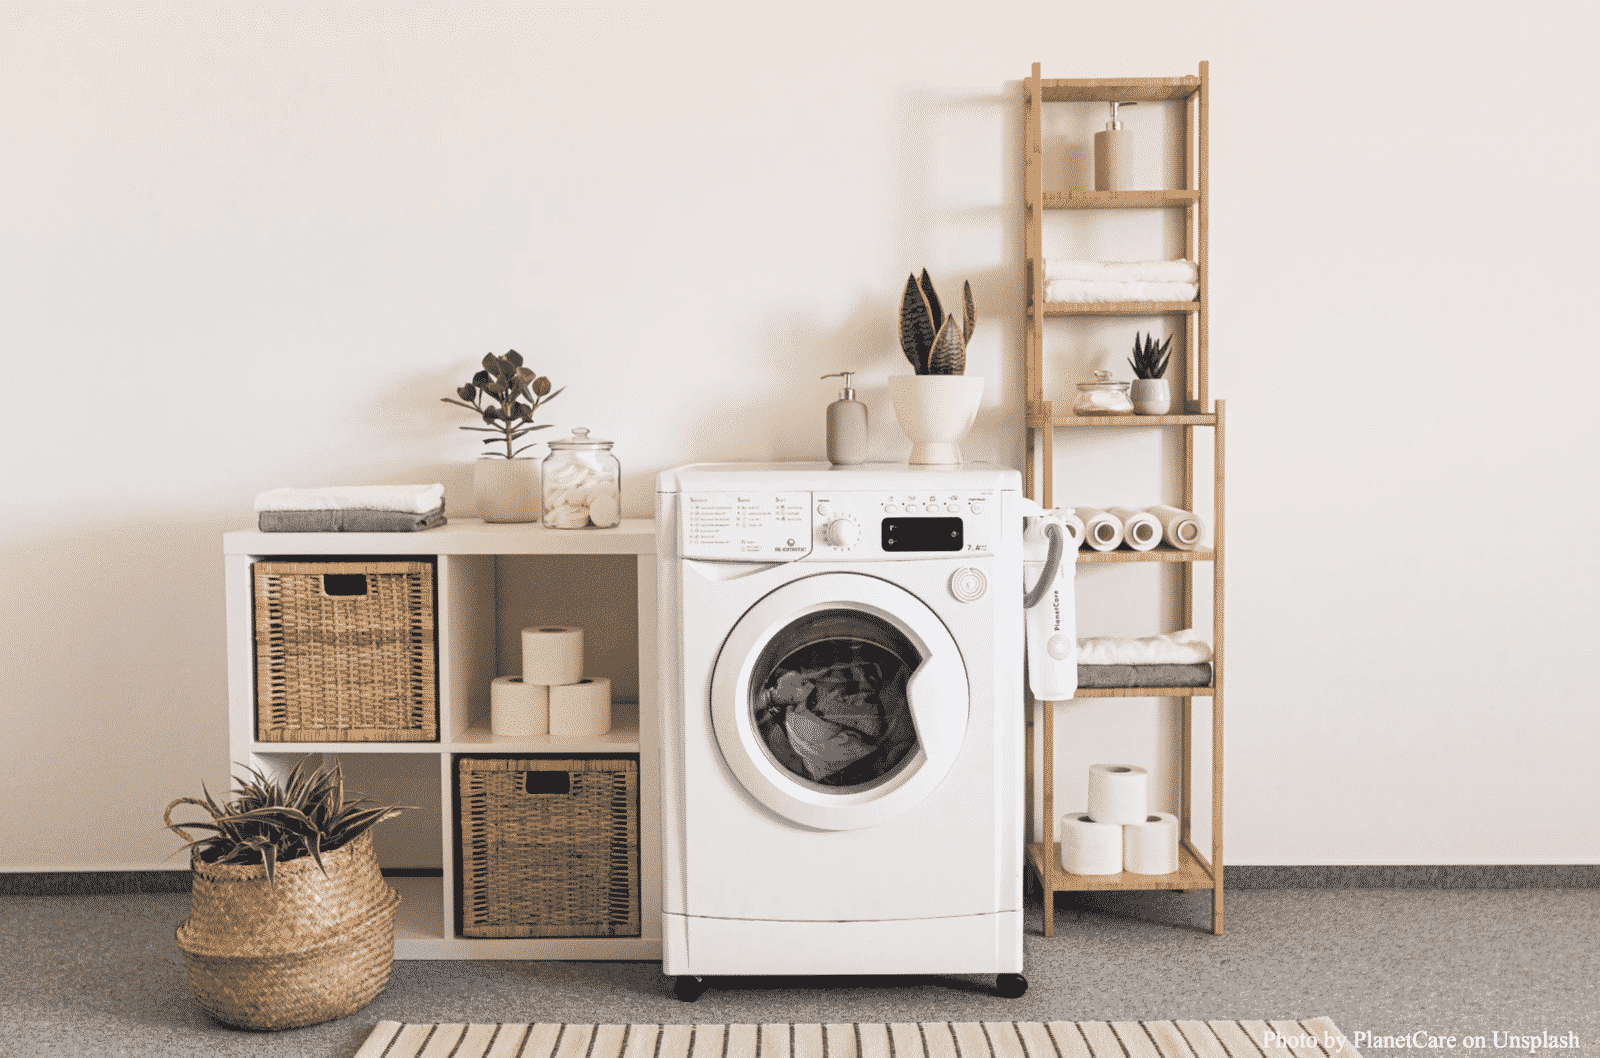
x=842, y=722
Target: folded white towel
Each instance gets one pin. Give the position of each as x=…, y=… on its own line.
x=1079, y=291
x=411, y=499
x=1179, y=271
x=1176, y=648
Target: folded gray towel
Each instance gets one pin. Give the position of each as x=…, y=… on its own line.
x=1198, y=675
x=349, y=521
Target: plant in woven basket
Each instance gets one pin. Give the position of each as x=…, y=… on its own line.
x=1149, y=360
x=935, y=344
x=269, y=822
x=505, y=394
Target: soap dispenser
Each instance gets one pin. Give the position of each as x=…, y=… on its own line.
x=1113, y=154
x=847, y=426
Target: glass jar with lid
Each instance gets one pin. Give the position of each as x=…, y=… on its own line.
x=1104, y=396
x=582, y=483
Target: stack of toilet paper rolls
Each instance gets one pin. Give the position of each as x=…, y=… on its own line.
x=552, y=696
x=1119, y=832
x=1139, y=530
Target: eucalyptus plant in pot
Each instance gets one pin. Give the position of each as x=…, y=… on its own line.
x=504, y=395
x=1151, y=395
x=290, y=921
x=936, y=405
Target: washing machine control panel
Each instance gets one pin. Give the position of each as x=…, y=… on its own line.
x=827, y=526
x=746, y=526
x=905, y=525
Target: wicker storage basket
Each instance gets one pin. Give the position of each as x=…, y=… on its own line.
x=305, y=949
x=345, y=652
x=549, y=848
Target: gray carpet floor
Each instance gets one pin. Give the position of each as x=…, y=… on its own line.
x=101, y=976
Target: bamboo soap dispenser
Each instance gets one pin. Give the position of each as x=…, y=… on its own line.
x=847, y=426
x=1113, y=154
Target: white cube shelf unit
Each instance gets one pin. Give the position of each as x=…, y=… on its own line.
x=467, y=552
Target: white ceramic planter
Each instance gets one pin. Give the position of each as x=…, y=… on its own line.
x=507, y=489
x=1151, y=396
x=935, y=412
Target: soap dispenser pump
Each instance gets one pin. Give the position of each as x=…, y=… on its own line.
x=1113, y=154
x=847, y=426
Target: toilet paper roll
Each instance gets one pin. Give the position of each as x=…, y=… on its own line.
x=552, y=655
x=518, y=708
x=1151, y=847
x=1140, y=531
x=1101, y=531
x=1088, y=847
x=1118, y=793
x=1182, y=529
x=582, y=708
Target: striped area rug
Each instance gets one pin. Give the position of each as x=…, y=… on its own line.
x=1311, y=1038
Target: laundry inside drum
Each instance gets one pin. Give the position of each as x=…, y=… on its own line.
x=828, y=698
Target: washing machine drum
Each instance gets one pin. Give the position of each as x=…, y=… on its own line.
x=839, y=701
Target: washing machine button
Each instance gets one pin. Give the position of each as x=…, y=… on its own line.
x=933, y=508
x=968, y=584
x=890, y=508
x=954, y=508
x=822, y=509
x=977, y=508
x=1059, y=647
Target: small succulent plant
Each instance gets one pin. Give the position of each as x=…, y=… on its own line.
x=270, y=822
x=935, y=344
x=513, y=392
x=1150, y=360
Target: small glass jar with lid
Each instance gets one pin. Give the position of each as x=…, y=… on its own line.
x=1104, y=396
x=582, y=483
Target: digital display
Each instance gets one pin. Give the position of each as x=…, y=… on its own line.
x=922, y=534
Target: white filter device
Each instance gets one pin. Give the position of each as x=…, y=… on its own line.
x=1051, y=621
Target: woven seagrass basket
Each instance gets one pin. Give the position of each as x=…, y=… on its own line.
x=345, y=652
x=305, y=949
x=549, y=848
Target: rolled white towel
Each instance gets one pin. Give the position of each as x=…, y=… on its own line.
x=1140, y=531
x=1102, y=530
x=1180, y=528
x=1175, y=648
x=1179, y=271
x=410, y=499
x=1079, y=292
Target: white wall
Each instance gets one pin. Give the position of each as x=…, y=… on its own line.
x=252, y=246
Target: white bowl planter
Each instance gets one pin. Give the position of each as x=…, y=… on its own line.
x=1151, y=396
x=935, y=412
x=507, y=489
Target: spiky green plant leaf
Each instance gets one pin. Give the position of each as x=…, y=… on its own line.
x=969, y=313
x=949, y=356
x=916, y=326
x=935, y=310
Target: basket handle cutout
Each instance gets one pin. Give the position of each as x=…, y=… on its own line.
x=341, y=584
x=547, y=782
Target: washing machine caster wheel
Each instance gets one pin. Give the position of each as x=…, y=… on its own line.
x=689, y=988
x=1010, y=986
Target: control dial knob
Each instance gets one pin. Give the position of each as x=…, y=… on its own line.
x=842, y=532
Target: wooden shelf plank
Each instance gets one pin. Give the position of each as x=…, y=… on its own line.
x=1121, y=308
x=1159, y=553
x=1143, y=692
x=1105, y=89
x=459, y=536
x=1119, y=199
x=1189, y=875
x=1041, y=421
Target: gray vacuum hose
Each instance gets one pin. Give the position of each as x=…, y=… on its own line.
x=1052, y=563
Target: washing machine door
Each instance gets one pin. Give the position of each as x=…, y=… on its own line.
x=839, y=701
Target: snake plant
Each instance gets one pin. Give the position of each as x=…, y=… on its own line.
x=935, y=344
